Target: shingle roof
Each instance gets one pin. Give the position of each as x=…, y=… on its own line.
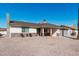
x=32, y=25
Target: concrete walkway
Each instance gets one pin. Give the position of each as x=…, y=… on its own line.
x=39, y=46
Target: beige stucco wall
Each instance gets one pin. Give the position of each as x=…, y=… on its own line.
x=15, y=30
x=32, y=30
x=19, y=30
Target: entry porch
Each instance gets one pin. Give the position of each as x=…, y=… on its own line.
x=45, y=31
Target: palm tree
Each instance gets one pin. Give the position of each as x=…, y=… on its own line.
x=78, y=24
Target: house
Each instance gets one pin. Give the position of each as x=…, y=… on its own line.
x=39, y=29
x=3, y=31
x=24, y=29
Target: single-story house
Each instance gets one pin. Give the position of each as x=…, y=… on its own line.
x=24, y=29
x=20, y=28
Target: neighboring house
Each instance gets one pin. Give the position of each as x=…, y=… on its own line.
x=3, y=31
x=69, y=31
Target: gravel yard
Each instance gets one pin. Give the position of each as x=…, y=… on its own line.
x=39, y=46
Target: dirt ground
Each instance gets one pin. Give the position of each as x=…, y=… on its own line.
x=39, y=46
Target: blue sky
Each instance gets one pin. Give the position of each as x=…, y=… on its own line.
x=60, y=14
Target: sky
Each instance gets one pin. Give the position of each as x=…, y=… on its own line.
x=54, y=13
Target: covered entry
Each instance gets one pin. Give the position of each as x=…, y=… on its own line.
x=44, y=31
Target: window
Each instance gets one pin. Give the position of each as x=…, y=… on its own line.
x=24, y=29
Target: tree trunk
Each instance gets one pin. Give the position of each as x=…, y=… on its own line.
x=78, y=24
x=78, y=30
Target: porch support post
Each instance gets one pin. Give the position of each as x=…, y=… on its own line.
x=62, y=32
x=42, y=31
x=50, y=31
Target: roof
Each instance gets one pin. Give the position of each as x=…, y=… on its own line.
x=67, y=27
x=38, y=25
x=32, y=25
x=3, y=29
